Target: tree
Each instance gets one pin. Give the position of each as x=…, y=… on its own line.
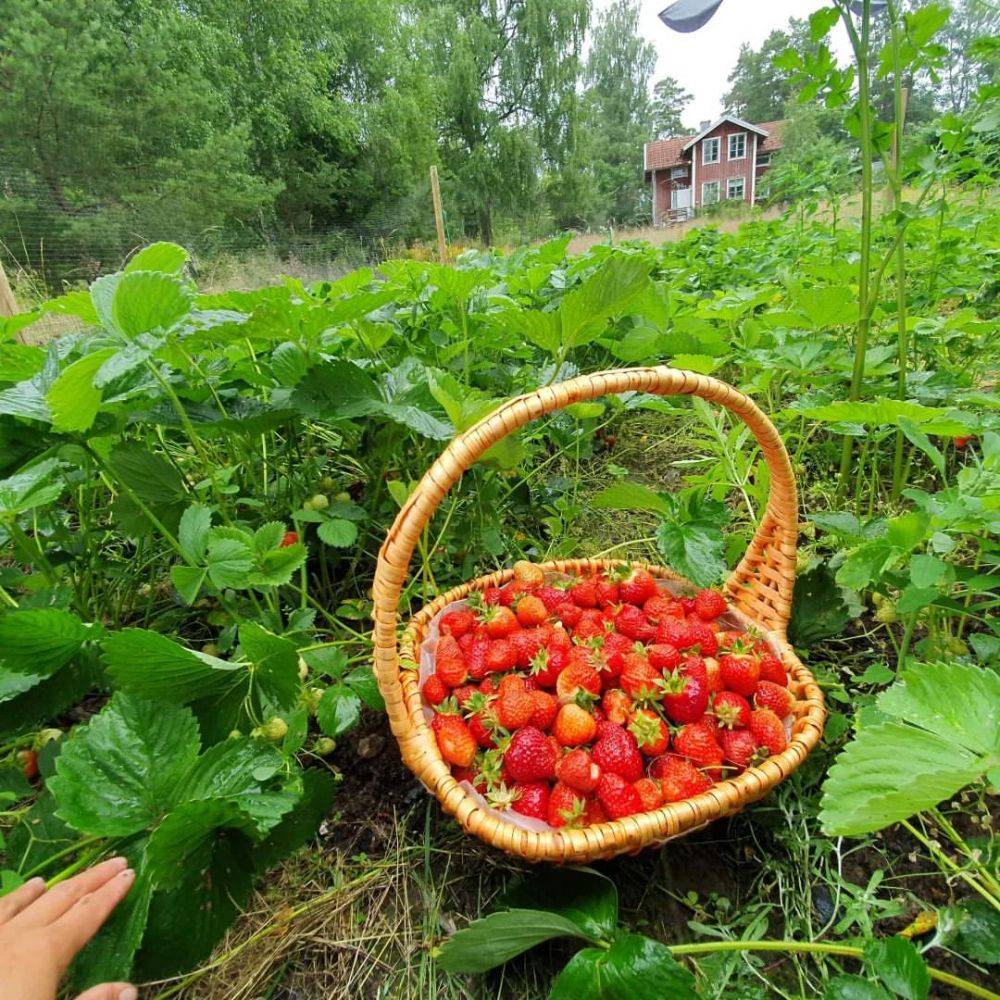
x=617, y=111
x=759, y=90
x=669, y=101
x=971, y=60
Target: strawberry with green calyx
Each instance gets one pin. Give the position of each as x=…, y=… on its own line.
x=731, y=710
x=649, y=793
x=527, y=575
x=503, y=797
x=532, y=800
x=703, y=637
x=578, y=770
x=739, y=747
x=679, y=778
x=274, y=730
x=526, y=643
x=709, y=605
x=640, y=680
x=449, y=663
x=456, y=743
x=458, y=622
x=617, y=796
x=638, y=587
x=775, y=697
x=547, y=664
x=434, y=690
x=768, y=731
x=577, y=676
x=698, y=742
x=530, y=756
x=566, y=807
x=574, y=725
x=617, y=705
x=552, y=596
x=617, y=752
x=650, y=732
x=685, y=695
x=500, y=622
x=740, y=671
x=583, y=592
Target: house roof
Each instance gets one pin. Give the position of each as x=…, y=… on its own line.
x=663, y=153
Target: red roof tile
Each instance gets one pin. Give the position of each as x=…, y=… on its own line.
x=664, y=153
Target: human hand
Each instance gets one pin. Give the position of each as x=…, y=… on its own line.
x=41, y=931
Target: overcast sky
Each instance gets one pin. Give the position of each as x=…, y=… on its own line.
x=703, y=59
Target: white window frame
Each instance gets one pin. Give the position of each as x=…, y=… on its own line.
x=678, y=172
x=743, y=192
x=707, y=184
x=729, y=145
x=705, y=162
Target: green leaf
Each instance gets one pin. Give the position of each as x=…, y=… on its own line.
x=920, y=440
x=275, y=662
x=854, y=988
x=72, y=398
x=188, y=580
x=300, y=824
x=582, y=895
x=31, y=487
x=150, y=476
x=361, y=680
x=150, y=665
x=120, y=772
x=39, y=835
x=338, y=711
x=192, y=534
x=974, y=930
x=948, y=731
x=338, y=532
x=40, y=641
x=585, y=311
x=927, y=571
x=493, y=940
x=898, y=964
x=633, y=967
x=630, y=496
x=168, y=258
x=289, y=363
x=145, y=301
x=691, y=539
x=819, y=609
x=229, y=561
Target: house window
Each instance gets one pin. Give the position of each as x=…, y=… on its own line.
x=735, y=188
x=678, y=171
x=710, y=150
x=738, y=146
x=709, y=192
x=763, y=159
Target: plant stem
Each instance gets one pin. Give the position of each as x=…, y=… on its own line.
x=818, y=947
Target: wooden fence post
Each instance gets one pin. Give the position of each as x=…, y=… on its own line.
x=438, y=216
x=8, y=304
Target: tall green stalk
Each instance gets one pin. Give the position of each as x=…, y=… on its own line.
x=861, y=55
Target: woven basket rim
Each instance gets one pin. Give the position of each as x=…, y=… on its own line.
x=748, y=786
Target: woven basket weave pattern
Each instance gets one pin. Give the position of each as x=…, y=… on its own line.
x=760, y=589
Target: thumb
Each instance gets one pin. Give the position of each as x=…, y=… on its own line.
x=110, y=991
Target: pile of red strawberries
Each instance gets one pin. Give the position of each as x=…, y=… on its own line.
x=579, y=702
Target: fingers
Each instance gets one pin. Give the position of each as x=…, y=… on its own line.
x=110, y=991
x=61, y=897
x=24, y=895
x=84, y=918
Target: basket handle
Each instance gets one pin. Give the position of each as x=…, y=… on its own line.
x=760, y=586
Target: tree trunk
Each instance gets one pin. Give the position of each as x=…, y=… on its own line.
x=486, y=223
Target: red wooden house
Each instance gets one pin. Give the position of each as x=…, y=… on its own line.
x=724, y=161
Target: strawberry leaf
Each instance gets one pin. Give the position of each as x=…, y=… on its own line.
x=584, y=896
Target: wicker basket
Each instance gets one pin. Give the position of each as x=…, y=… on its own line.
x=759, y=589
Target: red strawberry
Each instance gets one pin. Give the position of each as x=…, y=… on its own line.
x=459, y=622
x=435, y=690
x=594, y=812
x=650, y=732
x=768, y=731
x=574, y=726
x=578, y=770
x=738, y=746
x=590, y=625
x=663, y=656
x=566, y=807
x=530, y=611
x=456, y=743
x=731, y=710
x=463, y=693
x=510, y=592
x=577, y=677
x=449, y=663
x=709, y=605
x=547, y=664
x=491, y=596
x=28, y=761
x=532, y=800
x=639, y=679
x=500, y=622
x=527, y=575
x=631, y=622
x=476, y=658
x=289, y=538
x=615, y=648
x=697, y=741
x=674, y=632
x=530, y=756
x=679, y=778
x=703, y=637
x=617, y=752
x=546, y=709
x=617, y=705
x=551, y=597
x=661, y=606
x=740, y=673
x=617, y=796
x=685, y=696
x=772, y=670
x=526, y=642
x=607, y=591
x=482, y=726
x=584, y=592
x=515, y=704
x=569, y=613
x=713, y=675
x=638, y=587
x=500, y=656
x=775, y=697
x=649, y=794
x=962, y=441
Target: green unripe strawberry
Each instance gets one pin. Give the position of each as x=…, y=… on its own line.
x=210, y=649
x=343, y=497
x=328, y=483
x=319, y=502
x=303, y=669
x=324, y=746
x=886, y=613
x=274, y=730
